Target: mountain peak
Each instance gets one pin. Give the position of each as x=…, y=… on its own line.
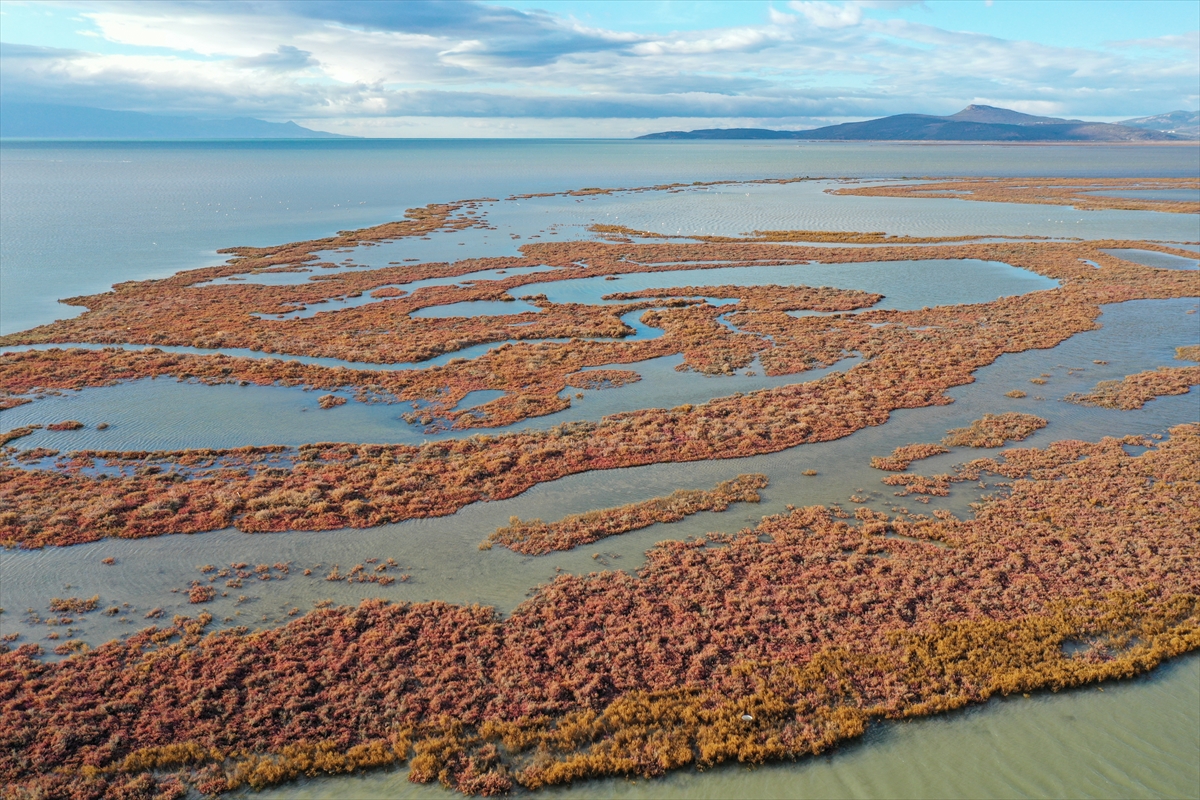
x=1180, y=123
x=1003, y=116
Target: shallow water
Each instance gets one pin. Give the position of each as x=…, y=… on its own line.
x=166, y=414
x=741, y=209
x=1151, y=258
x=905, y=285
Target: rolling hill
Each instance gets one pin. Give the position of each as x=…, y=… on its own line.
x=974, y=123
x=45, y=121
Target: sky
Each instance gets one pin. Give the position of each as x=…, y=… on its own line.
x=585, y=68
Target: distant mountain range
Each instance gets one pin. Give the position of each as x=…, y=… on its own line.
x=1180, y=123
x=44, y=121
x=972, y=124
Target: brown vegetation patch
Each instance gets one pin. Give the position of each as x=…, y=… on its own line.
x=602, y=378
x=993, y=430
x=1189, y=352
x=17, y=433
x=535, y=538
x=201, y=593
x=901, y=457
x=922, y=485
x=7, y=401
x=74, y=605
x=1074, y=192
x=1134, y=391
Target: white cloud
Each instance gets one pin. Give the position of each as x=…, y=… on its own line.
x=1181, y=41
x=829, y=15
x=356, y=64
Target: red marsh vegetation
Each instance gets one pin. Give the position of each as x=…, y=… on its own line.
x=535, y=538
x=909, y=360
x=602, y=378
x=774, y=643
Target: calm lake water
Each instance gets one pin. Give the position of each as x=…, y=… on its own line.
x=81, y=217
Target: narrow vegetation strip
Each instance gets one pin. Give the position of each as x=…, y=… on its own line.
x=902, y=457
x=535, y=538
x=1134, y=391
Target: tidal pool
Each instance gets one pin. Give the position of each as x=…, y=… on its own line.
x=905, y=285
x=1180, y=195
x=1150, y=258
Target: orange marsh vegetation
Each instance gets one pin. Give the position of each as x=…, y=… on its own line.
x=1076, y=192
x=909, y=360
x=780, y=642
x=535, y=538
x=1134, y=391
x=993, y=430
x=901, y=457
